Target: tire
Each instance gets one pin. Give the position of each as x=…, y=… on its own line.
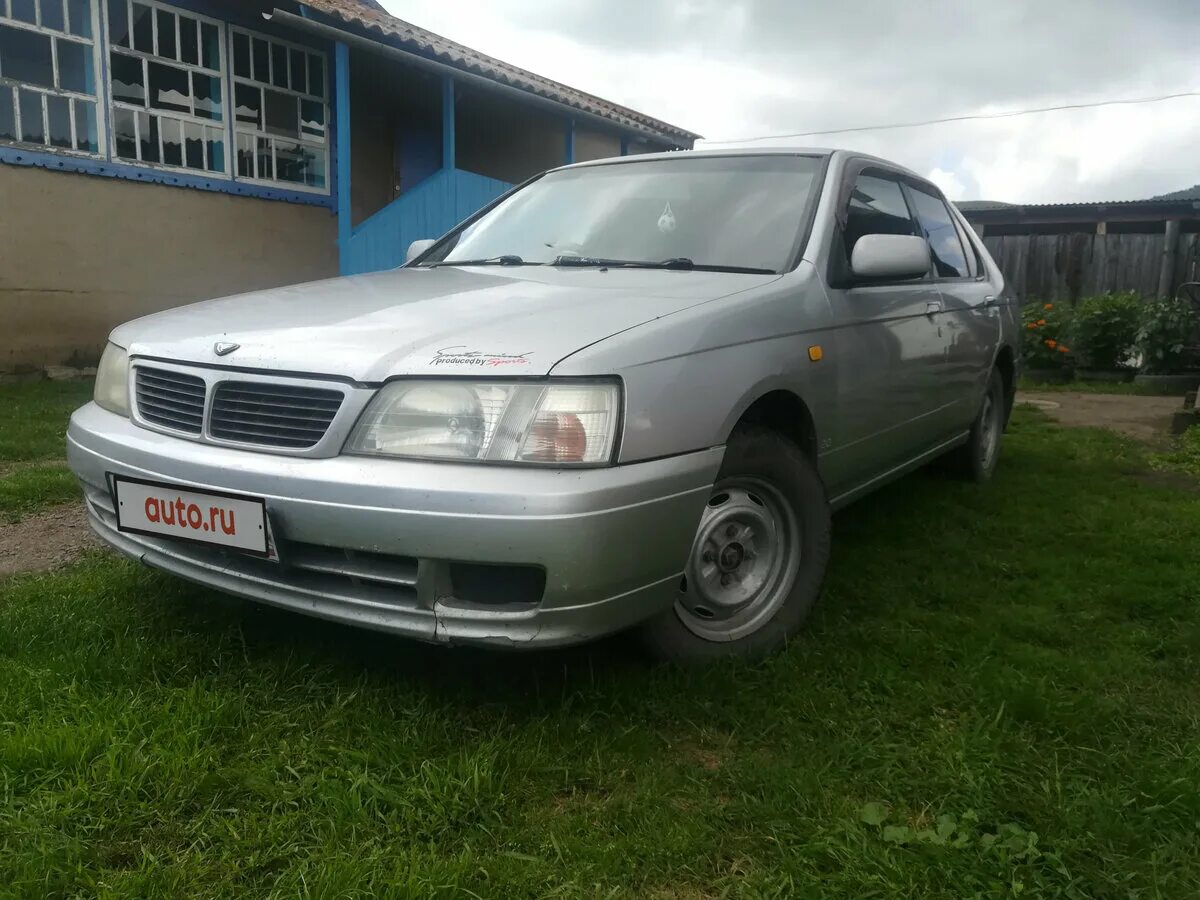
x=977, y=458
x=766, y=531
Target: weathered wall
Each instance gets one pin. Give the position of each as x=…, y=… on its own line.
x=395, y=131
x=503, y=139
x=1070, y=266
x=591, y=144
x=81, y=254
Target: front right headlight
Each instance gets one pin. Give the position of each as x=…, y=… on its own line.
x=552, y=423
x=112, y=381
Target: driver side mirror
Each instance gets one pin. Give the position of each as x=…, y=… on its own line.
x=878, y=256
x=417, y=248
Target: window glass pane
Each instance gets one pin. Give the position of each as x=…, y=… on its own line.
x=249, y=105
x=193, y=145
x=216, y=151
x=75, y=67
x=58, y=114
x=25, y=11
x=8, y=115
x=210, y=46
x=290, y=162
x=118, y=22
x=312, y=119
x=282, y=114
x=172, y=141
x=876, y=207
x=126, y=136
x=262, y=61
x=279, y=65
x=85, y=127
x=299, y=71
x=245, y=155
x=148, y=136
x=169, y=88
x=80, y=17
x=143, y=28
x=25, y=56
x=189, y=41
x=948, y=258
x=316, y=76
x=241, y=56
x=52, y=15
x=128, y=80
x=266, y=161
x=166, y=34
x=32, y=129
x=314, y=172
x=206, y=93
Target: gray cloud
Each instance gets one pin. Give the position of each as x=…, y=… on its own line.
x=800, y=66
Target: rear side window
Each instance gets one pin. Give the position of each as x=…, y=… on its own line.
x=948, y=257
x=876, y=207
x=974, y=263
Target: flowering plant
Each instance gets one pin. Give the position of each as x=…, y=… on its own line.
x=1104, y=328
x=1042, y=343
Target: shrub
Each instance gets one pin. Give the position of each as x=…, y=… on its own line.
x=1168, y=327
x=1104, y=328
x=1042, y=337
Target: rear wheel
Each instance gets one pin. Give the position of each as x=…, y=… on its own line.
x=758, y=558
x=977, y=458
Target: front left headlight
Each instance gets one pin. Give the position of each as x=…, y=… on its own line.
x=556, y=423
x=112, y=381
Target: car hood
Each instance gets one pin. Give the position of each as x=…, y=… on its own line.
x=446, y=320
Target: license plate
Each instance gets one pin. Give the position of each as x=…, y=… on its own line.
x=233, y=521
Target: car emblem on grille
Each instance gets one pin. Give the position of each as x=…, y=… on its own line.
x=224, y=348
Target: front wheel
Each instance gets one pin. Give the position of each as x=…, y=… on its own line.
x=758, y=558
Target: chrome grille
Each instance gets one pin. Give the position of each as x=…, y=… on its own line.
x=170, y=399
x=272, y=414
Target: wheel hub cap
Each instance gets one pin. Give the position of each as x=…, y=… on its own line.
x=743, y=561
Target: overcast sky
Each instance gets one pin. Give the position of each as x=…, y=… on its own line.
x=729, y=69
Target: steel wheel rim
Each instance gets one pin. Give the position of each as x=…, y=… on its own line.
x=989, y=426
x=743, y=561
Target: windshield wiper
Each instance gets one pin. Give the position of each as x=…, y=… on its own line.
x=506, y=259
x=675, y=262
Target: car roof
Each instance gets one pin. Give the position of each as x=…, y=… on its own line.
x=822, y=152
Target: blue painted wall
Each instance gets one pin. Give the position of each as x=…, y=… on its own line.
x=429, y=210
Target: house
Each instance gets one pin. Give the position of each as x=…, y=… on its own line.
x=158, y=152
x=1056, y=251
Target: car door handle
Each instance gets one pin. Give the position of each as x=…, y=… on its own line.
x=933, y=307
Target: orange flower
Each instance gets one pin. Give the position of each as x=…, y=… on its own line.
x=1048, y=306
x=1062, y=349
x=1051, y=344
x=1032, y=326
x=1041, y=321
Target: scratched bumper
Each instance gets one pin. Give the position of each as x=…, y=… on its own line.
x=612, y=542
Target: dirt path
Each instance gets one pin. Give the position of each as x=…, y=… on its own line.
x=46, y=540
x=1145, y=418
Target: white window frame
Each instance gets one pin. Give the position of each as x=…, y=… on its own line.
x=223, y=76
x=240, y=128
x=98, y=99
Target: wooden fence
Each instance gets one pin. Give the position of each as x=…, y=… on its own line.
x=1070, y=266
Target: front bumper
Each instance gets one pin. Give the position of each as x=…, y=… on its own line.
x=370, y=542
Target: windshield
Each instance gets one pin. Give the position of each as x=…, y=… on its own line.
x=738, y=212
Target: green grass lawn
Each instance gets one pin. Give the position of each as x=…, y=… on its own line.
x=1098, y=387
x=33, y=428
x=996, y=696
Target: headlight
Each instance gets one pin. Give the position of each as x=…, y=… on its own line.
x=552, y=423
x=112, y=381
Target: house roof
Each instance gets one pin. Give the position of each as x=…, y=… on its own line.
x=370, y=15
